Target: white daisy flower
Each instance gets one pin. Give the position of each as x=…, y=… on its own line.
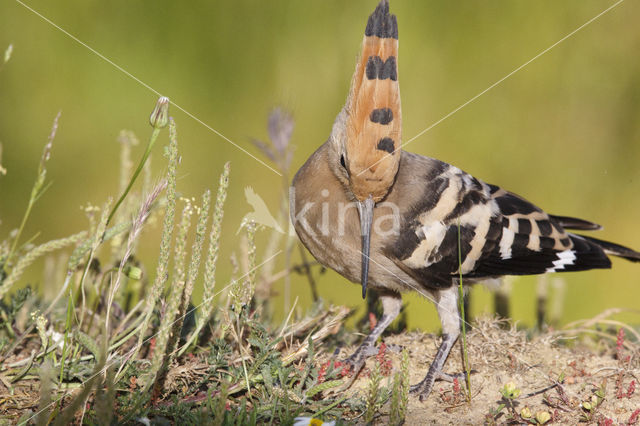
x=310, y=421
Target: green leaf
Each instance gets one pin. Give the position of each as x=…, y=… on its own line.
x=87, y=343
x=329, y=384
x=561, y=378
x=266, y=376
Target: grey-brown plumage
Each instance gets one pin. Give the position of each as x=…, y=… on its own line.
x=409, y=240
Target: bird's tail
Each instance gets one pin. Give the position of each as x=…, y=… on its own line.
x=615, y=249
x=607, y=247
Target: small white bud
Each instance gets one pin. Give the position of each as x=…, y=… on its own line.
x=159, y=118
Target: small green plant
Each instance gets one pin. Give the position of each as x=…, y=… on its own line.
x=400, y=391
x=9, y=311
x=542, y=417
x=165, y=243
x=211, y=260
x=373, y=393
x=10, y=268
x=591, y=405
x=509, y=393
x=525, y=413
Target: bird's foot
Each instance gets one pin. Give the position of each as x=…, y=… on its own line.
x=424, y=388
x=446, y=377
x=356, y=361
x=394, y=348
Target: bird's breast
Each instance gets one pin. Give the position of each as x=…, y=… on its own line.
x=328, y=224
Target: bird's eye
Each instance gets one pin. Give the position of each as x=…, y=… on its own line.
x=342, y=161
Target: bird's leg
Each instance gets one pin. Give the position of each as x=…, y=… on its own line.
x=447, y=305
x=391, y=304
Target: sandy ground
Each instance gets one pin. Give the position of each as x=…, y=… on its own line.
x=503, y=355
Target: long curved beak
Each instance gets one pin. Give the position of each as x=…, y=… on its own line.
x=365, y=209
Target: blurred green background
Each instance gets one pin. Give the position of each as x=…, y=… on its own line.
x=564, y=131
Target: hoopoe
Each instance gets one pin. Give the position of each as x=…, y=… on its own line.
x=396, y=221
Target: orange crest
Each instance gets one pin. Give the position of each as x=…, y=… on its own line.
x=374, y=123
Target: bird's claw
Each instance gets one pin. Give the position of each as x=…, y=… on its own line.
x=357, y=359
x=445, y=377
x=424, y=388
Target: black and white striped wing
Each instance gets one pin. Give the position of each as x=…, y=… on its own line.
x=533, y=242
x=484, y=231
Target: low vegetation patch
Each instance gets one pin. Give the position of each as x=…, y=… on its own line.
x=115, y=341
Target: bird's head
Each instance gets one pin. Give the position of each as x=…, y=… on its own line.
x=367, y=133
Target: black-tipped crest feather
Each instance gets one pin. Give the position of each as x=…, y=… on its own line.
x=381, y=23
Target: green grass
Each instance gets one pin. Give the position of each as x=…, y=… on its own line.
x=116, y=344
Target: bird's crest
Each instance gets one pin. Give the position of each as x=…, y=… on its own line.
x=374, y=121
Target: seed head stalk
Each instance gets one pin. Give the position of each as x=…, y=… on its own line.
x=463, y=319
x=159, y=119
